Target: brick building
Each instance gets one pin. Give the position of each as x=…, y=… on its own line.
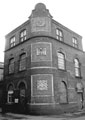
x=1, y=81
x=44, y=66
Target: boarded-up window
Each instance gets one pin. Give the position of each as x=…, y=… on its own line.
x=11, y=66
x=63, y=92
x=22, y=62
x=22, y=89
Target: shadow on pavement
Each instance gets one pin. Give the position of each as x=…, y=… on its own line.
x=68, y=115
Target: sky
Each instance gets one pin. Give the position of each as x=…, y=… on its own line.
x=70, y=13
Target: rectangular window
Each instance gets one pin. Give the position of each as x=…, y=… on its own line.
x=23, y=36
x=12, y=42
x=75, y=42
x=10, y=96
x=59, y=35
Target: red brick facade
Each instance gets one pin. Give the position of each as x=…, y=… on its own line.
x=48, y=77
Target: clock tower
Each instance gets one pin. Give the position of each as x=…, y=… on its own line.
x=40, y=20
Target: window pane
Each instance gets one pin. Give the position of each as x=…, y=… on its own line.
x=75, y=42
x=10, y=93
x=61, y=61
x=12, y=41
x=76, y=71
x=57, y=31
x=60, y=55
x=23, y=35
x=24, y=32
x=61, y=39
x=21, y=39
x=25, y=38
x=77, y=68
x=76, y=63
x=22, y=65
x=10, y=97
x=59, y=35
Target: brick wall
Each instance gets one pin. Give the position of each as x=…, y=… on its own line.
x=46, y=83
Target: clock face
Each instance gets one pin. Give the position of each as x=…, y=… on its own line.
x=40, y=24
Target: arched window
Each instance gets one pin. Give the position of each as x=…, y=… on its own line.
x=22, y=89
x=61, y=60
x=11, y=66
x=10, y=98
x=77, y=67
x=63, y=92
x=22, y=62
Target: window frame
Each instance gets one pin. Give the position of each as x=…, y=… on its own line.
x=21, y=62
x=12, y=41
x=59, y=34
x=61, y=61
x=75, y=42
x=77, y=68
x=10, y=93
x=10, y=97
x=23, y=36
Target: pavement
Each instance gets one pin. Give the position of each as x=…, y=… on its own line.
x=80, y=115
